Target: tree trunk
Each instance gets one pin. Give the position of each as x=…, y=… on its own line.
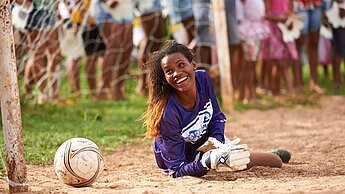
x=223, y=53
x=10, y=104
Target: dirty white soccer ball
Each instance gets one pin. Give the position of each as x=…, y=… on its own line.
x=78, y=162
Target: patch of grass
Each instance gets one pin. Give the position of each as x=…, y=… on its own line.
x=108, y=124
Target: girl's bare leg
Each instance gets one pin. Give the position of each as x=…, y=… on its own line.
x=265, y=159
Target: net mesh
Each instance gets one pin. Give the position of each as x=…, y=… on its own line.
x=100, y=41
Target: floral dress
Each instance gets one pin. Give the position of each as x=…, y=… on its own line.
x=274, y=47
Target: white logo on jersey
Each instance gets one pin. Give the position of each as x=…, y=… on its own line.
x=195, y=129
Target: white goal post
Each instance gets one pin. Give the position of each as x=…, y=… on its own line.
x=10, y=104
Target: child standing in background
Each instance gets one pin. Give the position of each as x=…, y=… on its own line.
x=274, y=50
x=338, y=44
x=309, y=39
x=93, y=45
x=115, y=21
x=252, y=29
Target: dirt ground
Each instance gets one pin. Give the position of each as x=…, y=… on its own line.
x=314, y=135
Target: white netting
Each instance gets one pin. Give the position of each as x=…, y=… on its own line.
x=100, y=41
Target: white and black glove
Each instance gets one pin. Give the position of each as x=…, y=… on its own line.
x=232, y=155
x=213, y=143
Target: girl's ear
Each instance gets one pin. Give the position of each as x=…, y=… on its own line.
x=195, y=66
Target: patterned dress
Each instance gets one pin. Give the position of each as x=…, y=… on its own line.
x=274, y=47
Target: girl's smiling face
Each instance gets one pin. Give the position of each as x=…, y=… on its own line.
x=179, y=72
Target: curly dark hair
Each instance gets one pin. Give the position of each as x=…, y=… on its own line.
x=159, y=89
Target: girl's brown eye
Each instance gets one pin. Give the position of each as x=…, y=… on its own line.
x=168, y=72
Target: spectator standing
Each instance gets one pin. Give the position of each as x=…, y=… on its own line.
x=274, y=50
x=309, y=39
x=115, y=19
x=42, y=39
x=152, y=23
x=252, y=29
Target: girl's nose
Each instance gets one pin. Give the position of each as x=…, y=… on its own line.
x=176, y=73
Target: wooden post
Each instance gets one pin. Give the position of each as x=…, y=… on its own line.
x=223, y=53
x=10, y=104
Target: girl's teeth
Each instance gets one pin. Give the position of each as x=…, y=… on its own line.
x=181, y=80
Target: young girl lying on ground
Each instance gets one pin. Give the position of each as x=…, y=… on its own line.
x=184, y=118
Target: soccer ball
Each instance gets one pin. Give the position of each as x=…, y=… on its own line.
x=78, y=162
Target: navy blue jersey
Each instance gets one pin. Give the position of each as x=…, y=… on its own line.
x=183, y=130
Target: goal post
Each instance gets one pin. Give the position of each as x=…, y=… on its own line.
x=223, y=54
x=10, y=104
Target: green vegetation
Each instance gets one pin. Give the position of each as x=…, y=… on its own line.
x=108, y=123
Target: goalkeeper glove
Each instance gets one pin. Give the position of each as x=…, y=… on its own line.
x=235, y=157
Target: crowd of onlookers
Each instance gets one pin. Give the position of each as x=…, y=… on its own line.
x=269, y=41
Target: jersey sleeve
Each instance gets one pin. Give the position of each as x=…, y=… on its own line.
x=218, y=120
x=172, y=151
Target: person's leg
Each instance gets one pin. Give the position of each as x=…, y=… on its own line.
x=313, y=41
x=265, y=159
x=245, y=82
x=266, y=73
x=90, y=70
x=312, y=48
x=338, y=46
x=300, y=45
x=275, y=82
x=297, y=75
x=35, y=69
x=325, y=71
x=152, y=24
x=53, y=65
x=203, y=56
x=73, y=74
x=118, y=92
x=286, y=75
x=262, y=69
x=269, y=73
x=110, y=36
x=344, y=67
x=251, y=79
x=242, y=88
x=235, y=65
x=336, y=72
x=29, y=80
x=189, y=25
x=242, y=76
